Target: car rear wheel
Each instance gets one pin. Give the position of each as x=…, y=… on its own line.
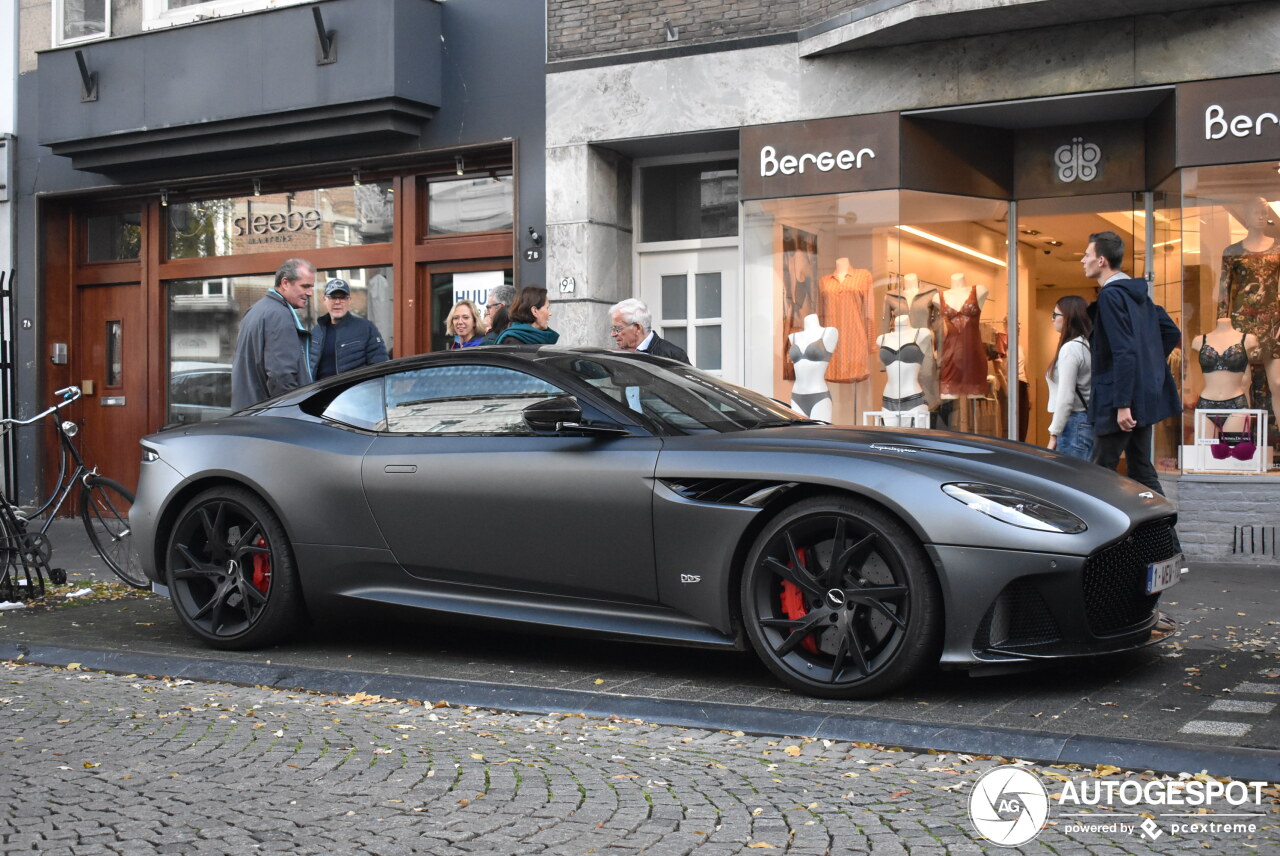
x=840, y=601
x=230, y=571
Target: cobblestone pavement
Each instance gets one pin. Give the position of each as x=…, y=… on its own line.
x=92, y=763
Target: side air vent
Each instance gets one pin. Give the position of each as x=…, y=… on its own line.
x=753, y=492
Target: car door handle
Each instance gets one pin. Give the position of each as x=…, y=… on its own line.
x=400, y=468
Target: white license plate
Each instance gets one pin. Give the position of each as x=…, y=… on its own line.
x=1161, y=575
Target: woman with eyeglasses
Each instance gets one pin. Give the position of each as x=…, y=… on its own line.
x=530, y=314
x=1069, y=377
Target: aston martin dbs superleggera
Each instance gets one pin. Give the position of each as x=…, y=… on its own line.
x=636, y=497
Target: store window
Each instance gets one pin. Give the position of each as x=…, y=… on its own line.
x=1230, y=250
x=468, y=205
x=294, y=221
x=883, y=307
x=204, y=319
x=80, y=20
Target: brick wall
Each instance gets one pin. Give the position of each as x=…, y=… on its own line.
x=578, y=29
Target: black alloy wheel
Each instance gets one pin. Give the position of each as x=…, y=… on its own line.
x=840, y=601
x=230, y=571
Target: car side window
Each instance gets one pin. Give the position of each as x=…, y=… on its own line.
x=360, y=406
x=469, y=399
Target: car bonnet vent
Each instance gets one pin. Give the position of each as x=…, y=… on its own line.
x=753, y=492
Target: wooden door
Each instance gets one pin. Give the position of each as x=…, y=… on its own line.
x=109, y=362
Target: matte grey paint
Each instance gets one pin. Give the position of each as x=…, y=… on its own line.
x=574, y=548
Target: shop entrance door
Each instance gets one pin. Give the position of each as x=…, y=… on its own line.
x=109, y=362
x=442, y=284
x=1052, y=236
x=693, y=295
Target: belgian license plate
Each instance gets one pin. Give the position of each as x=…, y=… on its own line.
x=1161, y=575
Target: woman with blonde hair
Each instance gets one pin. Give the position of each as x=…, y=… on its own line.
x=1070, y=380
x=465, y=325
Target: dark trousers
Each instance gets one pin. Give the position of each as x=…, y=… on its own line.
x=1135, y=445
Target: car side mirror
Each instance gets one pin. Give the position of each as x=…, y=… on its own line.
x=563, y=413
x=553, y=414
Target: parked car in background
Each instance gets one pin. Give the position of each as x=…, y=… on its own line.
x=198, y=392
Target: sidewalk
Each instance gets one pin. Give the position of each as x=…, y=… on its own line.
x=1204, y=700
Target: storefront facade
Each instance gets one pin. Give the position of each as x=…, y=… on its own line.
x=909, y=217
x=170, y=167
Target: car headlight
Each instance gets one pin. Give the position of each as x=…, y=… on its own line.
x=1015, y=508
x=149, y=454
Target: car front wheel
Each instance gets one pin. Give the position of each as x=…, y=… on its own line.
x=840, y=601
x=230, y=571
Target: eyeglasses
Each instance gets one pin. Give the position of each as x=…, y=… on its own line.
x=613, y=331
x=1057, y=314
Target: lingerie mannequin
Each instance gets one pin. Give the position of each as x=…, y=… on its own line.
x=810, y=350
x=1249, y=290
x=904, y=352
x=964, y=358
x=844, y=299
x=923, y=307
x=1224, y=361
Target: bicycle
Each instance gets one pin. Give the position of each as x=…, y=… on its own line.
x=104, y=508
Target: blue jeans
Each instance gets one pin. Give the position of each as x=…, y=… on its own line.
x=1076, y=438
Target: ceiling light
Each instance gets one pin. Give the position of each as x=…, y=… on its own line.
x=1054, y=243
x=920, y=233
x=1031, y=231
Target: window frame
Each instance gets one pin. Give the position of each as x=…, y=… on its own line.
x=59, y=20
x=156, y=14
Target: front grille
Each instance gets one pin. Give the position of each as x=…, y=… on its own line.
x=1018, y=617
x=1115, y=579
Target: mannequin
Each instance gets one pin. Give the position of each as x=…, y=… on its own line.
x=844, y=299
x=1249, y=290
x=918, y=304
x=964, y=358
x=904, y=351
x=810, y=351
x=1224, y=361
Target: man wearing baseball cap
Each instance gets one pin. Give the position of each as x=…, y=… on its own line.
x=341, y=340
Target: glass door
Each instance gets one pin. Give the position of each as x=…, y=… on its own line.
x=442, y=285
x=693, y=297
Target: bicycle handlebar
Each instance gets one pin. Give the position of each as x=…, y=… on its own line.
x=68, y=393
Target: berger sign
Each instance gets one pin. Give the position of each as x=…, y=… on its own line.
x=1229, y=121
x=819, y=156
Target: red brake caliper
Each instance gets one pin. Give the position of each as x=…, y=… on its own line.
x=261, y=567
x=792, y=600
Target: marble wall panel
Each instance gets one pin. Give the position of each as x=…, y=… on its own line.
x=1224, y=42
x=597, y=256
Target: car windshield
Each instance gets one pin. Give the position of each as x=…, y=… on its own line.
x=680, y=399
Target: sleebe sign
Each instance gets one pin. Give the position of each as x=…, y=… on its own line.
x=819, y=156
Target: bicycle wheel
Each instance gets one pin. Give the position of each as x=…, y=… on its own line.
x=104, y=507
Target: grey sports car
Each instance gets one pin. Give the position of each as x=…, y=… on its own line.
x=626, y=495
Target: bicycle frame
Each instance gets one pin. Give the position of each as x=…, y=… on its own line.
x=58, y=498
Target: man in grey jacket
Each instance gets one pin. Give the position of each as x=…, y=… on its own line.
x=271, y=348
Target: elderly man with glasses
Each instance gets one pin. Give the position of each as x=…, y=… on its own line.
x=632, y=330
x=495, y=306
